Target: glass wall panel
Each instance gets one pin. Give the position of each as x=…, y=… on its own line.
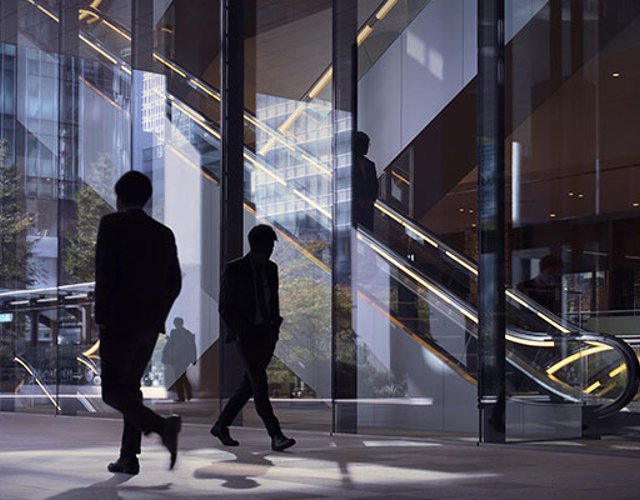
x=572, y=155
x=288, y=185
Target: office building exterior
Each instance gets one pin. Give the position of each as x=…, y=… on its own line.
x=497, y=291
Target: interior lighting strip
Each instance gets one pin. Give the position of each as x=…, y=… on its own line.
x=44, y=389
x=575, y=357
x=87, y=365
x=98, y=49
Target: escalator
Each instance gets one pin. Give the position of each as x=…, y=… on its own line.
x=414, y=282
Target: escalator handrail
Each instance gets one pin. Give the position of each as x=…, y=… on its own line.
x=628, y=355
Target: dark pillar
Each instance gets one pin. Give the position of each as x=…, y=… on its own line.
x=344, y=122
x=232, y=166
x=491, y=253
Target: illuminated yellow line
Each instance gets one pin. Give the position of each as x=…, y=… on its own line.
x=97, y=49
x=169, y=65
x=191, y=164
x=201, y=121
x=401, y=178
x=264, y=169
x=53, y=402
x=384, y=10
x=99, y=92
x=430, y=348
x=552, y=323
x=306, y=252
x=618, y=371
x=92, y=349
x=94, y=4
x=543, y=316
x=204, y=89
x=87, y=365
x=125, y=69
x=364, y=33
x=51, y=15
x=407, y=226
x=532, y=343
x=117, y=30
x=85, y=13
x=326, y=78
x=461, y=262
x=315, y=205
x=575, y=357
x=592, y=387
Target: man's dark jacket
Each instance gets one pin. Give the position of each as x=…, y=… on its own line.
x=237, y=304
x=137, y=272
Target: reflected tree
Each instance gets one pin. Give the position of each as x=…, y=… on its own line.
x=93, y=200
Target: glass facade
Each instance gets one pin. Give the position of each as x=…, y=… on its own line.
x=383, y=241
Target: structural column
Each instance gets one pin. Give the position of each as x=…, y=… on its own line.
x=231, y=234
x=344, y=351
x=491, y=214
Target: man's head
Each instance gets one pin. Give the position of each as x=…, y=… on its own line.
x=360, y=143
x=261, y=240
x=133, y=190
x=178, y=322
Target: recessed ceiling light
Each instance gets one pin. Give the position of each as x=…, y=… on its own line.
x=461, y=210
x=616, y=75
x=580, y=195
x=473, y=225
x=471, y=210
x=571, y=193
x=552, y=215
x=636, y=204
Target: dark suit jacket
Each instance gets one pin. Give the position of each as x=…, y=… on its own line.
x=137, y=272
x=237, y=304
x=365, y=180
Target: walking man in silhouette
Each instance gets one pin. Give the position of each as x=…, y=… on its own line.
x=365, y=182
x=250, y=309
x=137, y=280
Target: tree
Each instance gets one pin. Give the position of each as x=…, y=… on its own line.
x=93, y=200
x=15, y=250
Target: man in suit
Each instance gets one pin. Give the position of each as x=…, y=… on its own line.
x=137, y=280
x=250, y=309
x=365, y=182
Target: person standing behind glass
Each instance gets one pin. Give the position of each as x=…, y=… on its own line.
x=137, y=280
x=178, y=353
x=250, y=309
x=365, y=182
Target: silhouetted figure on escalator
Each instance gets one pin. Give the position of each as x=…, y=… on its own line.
x=365, y=182
x=178, y=354
x=137, y=280
x=546, y=287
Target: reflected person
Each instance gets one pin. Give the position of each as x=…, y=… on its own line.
x=179, y=352
x=249, y=306
x=365, y=182
x=137, y=280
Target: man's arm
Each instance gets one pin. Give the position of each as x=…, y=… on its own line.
x=103, y=270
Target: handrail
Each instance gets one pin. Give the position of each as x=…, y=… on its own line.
x=514, y=336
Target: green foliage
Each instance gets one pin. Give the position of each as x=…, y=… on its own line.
x=15, y=251
x=80, y=244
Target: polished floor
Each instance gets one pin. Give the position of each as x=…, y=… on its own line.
x=42, y=457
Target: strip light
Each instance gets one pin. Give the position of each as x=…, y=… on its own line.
x=575, y=357
x=44, y=389
x=98, y=49
x=87, y=365
x=384, y=10
x=364, y=33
